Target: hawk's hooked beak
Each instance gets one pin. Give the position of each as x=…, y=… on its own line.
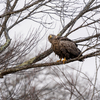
x=50, y=36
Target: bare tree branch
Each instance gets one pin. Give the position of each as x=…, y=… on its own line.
x=76, y=18
x=8, y=40
x=27, y=64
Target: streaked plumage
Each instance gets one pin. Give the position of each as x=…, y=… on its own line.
x=64, y=47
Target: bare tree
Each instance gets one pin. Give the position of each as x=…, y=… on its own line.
x=87, y=13
x=73, y=16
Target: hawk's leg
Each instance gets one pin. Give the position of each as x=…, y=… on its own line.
x=64, y=60
x=59, y=60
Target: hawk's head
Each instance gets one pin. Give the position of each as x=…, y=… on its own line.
x=51, y=38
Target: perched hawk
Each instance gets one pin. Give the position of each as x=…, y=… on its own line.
x=64, y=47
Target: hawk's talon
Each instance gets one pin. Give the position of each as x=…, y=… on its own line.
x=58, y=60
x=64, y=60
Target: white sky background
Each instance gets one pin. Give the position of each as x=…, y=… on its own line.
x=27, y=25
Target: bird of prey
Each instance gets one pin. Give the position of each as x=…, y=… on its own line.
x=64, y=47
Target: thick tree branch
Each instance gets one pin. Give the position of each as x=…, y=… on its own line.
x=28, y=66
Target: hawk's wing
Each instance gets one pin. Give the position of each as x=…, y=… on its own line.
x=69, y=46
x=66, y=39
